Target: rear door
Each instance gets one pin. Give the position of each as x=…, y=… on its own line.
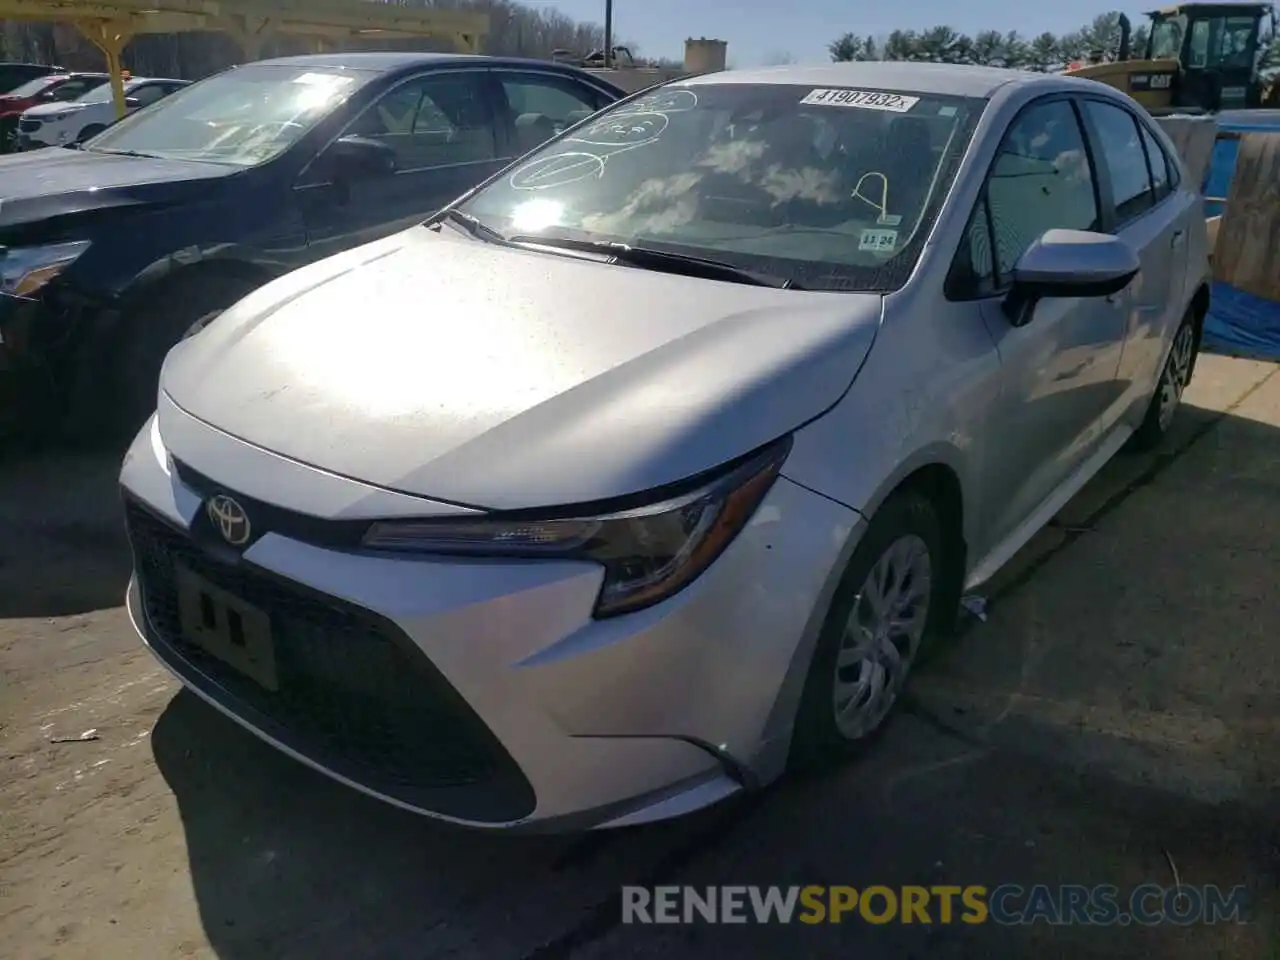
x=442, y=130
x=1059, y=363
x=1154, y=218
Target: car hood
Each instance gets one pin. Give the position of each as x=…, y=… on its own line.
x=56, y=181
x=506, y=379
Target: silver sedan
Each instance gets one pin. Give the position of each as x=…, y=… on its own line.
x=648, y=469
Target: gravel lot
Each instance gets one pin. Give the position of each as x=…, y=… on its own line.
x=1116, y=717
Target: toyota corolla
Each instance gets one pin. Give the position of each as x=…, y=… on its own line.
x=647, y=469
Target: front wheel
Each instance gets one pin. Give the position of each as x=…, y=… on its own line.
x=115, y=407
x=886, y=610
x=1173, y=381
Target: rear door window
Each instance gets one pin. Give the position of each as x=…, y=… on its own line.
x=1124, y=158
x=541, y=105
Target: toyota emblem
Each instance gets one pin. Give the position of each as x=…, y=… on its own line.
x=230, y=519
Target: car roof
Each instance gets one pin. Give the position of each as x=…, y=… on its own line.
x=392, y=60
x=936, y=78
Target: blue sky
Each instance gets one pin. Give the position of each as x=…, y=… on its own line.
x=759, y=30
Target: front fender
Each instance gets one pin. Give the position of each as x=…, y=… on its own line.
x=924, y=396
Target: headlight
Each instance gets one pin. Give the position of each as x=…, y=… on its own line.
x=24, y=270
x=648, y=553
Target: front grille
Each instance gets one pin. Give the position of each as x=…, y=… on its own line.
x=354, y=694
x=340, y=534
x=29, y=126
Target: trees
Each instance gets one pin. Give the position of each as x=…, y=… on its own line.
x=991, y=47
x=515, y=29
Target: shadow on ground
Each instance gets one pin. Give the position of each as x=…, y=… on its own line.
x=1113, y=721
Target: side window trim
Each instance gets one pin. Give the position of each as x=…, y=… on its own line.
x=482, y=84
x=1101, y=197
x=1148, y=140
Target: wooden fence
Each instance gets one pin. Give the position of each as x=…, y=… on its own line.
x=1247, y=248
x=1245, y=239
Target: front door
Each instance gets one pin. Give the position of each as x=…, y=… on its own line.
x=1059, y=363
x=441, y=128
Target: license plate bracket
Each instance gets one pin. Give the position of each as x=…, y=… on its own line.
x=226, y=627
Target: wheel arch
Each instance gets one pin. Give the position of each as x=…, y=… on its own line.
x=172, y=271
x=93, y=384
x=940, y=482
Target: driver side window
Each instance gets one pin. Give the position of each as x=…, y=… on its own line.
x=433, y=121
x=1041, y=179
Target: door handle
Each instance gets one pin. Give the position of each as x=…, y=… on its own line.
x=1176, y=238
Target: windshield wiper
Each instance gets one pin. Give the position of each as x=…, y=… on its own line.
x=124, y=153
x=647, y=258
x=473, y=225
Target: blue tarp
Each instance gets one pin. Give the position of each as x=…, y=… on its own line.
x=1239, y=323
x=1223, y=163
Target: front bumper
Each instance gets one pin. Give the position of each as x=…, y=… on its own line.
x=483, y=692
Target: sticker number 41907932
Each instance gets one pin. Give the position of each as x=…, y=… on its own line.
x=862, y=99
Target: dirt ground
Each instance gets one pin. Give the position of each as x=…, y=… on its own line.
x=1114, y=720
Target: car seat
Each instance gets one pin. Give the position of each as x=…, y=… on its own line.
x=533, y=130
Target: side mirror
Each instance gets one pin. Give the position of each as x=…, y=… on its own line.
x=1069, y=263
x=359, y=158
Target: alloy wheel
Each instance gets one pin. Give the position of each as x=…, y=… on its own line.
x=882, y=637
x=1176, y=373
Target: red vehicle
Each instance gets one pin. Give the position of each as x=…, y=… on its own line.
x=50, y=88
x=13, y=74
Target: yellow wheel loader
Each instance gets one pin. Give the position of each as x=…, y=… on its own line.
x=1199, y=58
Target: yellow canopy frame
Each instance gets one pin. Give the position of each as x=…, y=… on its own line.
x=111, y=24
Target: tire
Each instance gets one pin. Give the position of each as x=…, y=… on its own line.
x=1175, y=376
x=92, y=130
x=905, y=528
x=8, y=135
x=114, y=408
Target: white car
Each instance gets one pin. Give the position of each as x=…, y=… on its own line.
x=427, y=517
x=58, y=124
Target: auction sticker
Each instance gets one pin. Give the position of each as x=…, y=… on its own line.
x=881, y=241
x=862, y=99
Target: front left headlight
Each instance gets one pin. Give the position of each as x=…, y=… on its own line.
x=649, y=553
x=24, y=270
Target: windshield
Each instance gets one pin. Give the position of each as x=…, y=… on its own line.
x=830, y=189
x=32, y=87
x=244, y=116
